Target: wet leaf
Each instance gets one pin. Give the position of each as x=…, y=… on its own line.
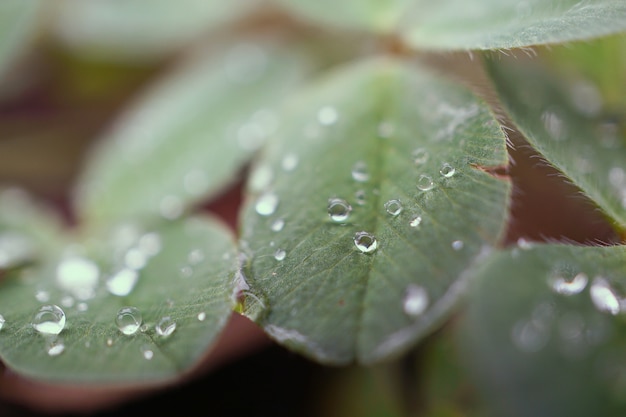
x=544, y=331
x=188, y=136
x=178, y=276
x=565, y=116
x=501, y=24
x=366, y=208
x=18, y=25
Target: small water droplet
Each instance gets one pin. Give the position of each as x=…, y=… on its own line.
x=457, y=245
x=201, y=316
x=415, y=221
x=135, y=259
x=338, y=209
x=524, y=244
x=386, y=130
x=420, y=156
x=290, y=162
x=195, y=257
x=447, y=170
x=415, y=300
x=165, y=327
x=280, y=254
x=128, y=320
x=393, y=207
x=55, y=346
x=147, y=352
x=49, y=320
x=42, y=296
x=186, y=271
x=2, y=321
x=530, y=336
x=122, y=282
x=277, y=225
x=67, y=301
x=425, y=183
x=360, y=172
x=261, y=178
x=365, y=242
x=171, y=207
x=604, y=297
x=78, y=276
x=566, y=280
x=360, y=197
x=196, y=182
x=266, y=204
x=327, y=115
x=553, y=124
x=109, y=342
x=82, y=307
x=150, y=244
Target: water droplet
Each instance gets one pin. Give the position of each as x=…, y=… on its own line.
x=196, y=182
x=365, y=242
x=280, y=254
x=420, y=156
x=15, y=249
x=457, y=245
x=201, y=316
x=135, y=259
x=186, y=271
x=261, y=178
x=150, y=244
x=386, y=130
x=277, y=225
x=447, y=170
x=122, y=282
x=360, y=197
x=425, y=183
x=128, y=320
x=67, y=301
x=171, y=207
x=2, y=321
x=290, y=162
x=147, y=352
x=360, y=172
x=524, y=244
x=604, y=297
x=393, y=207
x=415, y=300
x=339, y=209
x=327, y=115
x=82, y=307
x=42, y=296
x=553, y=124
x=566, y=280
x=266, y=204
x=49, y=320
x=415, y=221
x=109, y=342
x=166, y=326
x=530, y=335
x=78, y=276
x=586, y=98
x=55, y=346
x=195, y=257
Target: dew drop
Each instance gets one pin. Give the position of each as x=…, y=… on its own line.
x=78, y=276
x=2, y=321
x=393, y=207
x=201, y=316
x=122, y=282
x=447, y=170
x=195, y=257
x=360, y=172
x=327, y=115
x=15, y=249
x=147, y=352
x=42, y=296
x=425, y=183
x=67, y=301
x=553, y=124
x=49, y=320
x=150, y=244
x=339, y=209
x=415, y=300
x=420, y=156
x=289, y=162
x=266, y=204
x=277, y=225
x=566, y=281
x=171, y=207
x=55, y=346
x=365, y=242
x=165, y=327
x=415, y=221
x=82, y=307
x=457, y=245
x=530, y=336
x=280, y=254
x=186, y=271
x=261, y=178
x=360, y=197
x=604, y=297
x=524, y=244
x=109, y=342
x=128, y=320
x=135, y=259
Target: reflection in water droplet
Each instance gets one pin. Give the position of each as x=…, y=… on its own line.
x=49, y=320
x=147, y=352
x=447, y=170
x=165, y=326
x=277, y=225
x=457, y=245
x=55, y=346
x=566, y=281
x=365, y=242
x=338, y=209
x=604, y=297
x=266, y=204
x=201, y=316
x=420, y=156
x=289, y=162
x=425, y=183
x=327, y=115
x=415, y=300
x=78, y=276
x=2, y=321
x=122, y=282
x=360, y=172
x=393, y=207
x=280, y=254
x=171, y=207
x=415, y=221
x=128, y=320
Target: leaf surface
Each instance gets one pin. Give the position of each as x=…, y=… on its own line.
x=18, y=24
x=370, y=134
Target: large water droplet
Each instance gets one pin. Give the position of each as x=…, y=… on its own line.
x=566, y=280
x=290, y=162
x=166, y=326
x=415, y=300
x=415, y=221
x=393, y=207
x=280, y=254
x=49, y=320
x=338, y=209
x=266, y=204
x=128, y=320
x=78, y=276
x=604, y=297
x=327, y=115
x=122, y=282
x=2, y=321
x=447, y=170
x=55, y=346
x=360, y=172
x=277, y=225
x=425, y=183
x=420, y=156
x=365, y=242
x=171, y=207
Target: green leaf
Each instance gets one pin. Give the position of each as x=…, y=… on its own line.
x=187, y=276
x=498, y=24
x=188, y=136
x=140, y=30
x=565, y=117
x=375, y=15
x=370, y=134
x=18, y=24
x=544, y=331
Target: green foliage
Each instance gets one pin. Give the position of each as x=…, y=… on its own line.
x=377, y=192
